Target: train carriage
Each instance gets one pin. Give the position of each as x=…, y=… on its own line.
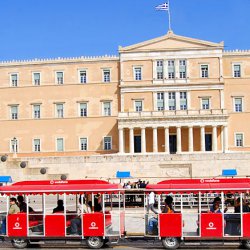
x=38, y=223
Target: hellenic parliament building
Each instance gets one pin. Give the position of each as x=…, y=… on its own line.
x=169, y=107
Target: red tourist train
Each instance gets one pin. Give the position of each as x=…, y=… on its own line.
x=184, y=211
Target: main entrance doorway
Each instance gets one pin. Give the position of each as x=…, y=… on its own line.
x=208, y=142
x=172, y=144
x=137, y=144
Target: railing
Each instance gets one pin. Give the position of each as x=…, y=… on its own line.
x=173, y=113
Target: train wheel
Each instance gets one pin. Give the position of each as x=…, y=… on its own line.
x=20, y=243
x=170, y=243
x=95, y=242
x=246, y=244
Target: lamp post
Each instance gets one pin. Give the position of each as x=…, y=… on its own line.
x=14, y=147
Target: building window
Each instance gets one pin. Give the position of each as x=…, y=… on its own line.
x=160, y=101
x=59, y=144
x=237, y=70
x=59, y=77
x=204, y=71
x=171, y=101
x=37, y=145
x=37, y=111
x=138, y=74
x=83, y=144
x=239, y=140
x=14, y=145
x=205, y=103
x=171, y=71
x=59, y=110
x=159, y=70
x=107, y=143
x=106, y=75
x=183, y=100
x=14, y=112
x=14, y=80
x=83, y=76
x=107, y=108
x=238, y=104
x=138, y=106
x=182, y=69
x=83, y=109
x=36, y=79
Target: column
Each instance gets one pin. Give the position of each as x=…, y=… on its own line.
x=190, y=139
x=177, y=100
x=155, y=141
x=121, y=141
x=202, y=138
x=131, y=140
x=225, y=137
x=143, y=140
x=178, y=139
x=167, y=139
x=214, y=146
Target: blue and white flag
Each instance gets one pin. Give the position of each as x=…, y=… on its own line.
x=163, y=6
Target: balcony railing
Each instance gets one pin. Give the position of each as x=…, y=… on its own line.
x=166, y=113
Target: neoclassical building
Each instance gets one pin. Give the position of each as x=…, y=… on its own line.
x=172, y=98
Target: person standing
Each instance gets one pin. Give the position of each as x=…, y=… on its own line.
x=151, y=202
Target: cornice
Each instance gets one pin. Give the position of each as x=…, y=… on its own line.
x=59, y=60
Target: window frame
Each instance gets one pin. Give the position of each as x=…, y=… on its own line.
x=56, y=78
x=209, y=103
x=186, y=105
x=33, y=78
x=79, y=109
x=17, y=80
x=103, y=75
x=33, y=111
x=34, y=145
x=17, y=113
x=56, y=110
x=171, y=92
x=141, y=107
x=110, y=108
x=110, y=143
x=17, y=146
x=79, y=76
x=63, y=150
x=136, y=78
x=80, y=145
x=233, y=70
x=201, y=71
x=234, y=104
x=235, y=139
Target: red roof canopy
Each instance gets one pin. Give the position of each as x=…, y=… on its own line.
x=202, y=185
x=60, y=187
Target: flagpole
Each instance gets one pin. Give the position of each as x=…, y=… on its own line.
x=169, y=18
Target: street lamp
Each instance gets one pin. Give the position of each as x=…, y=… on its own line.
x=14, y=147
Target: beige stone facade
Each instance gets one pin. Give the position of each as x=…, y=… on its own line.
x=168, y=97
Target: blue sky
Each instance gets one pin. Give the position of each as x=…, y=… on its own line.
x=65, y=28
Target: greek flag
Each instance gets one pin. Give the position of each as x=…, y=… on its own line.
x=163, y=6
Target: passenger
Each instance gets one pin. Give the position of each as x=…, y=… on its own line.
x=215, y=208
x=153, y=222
x=59, y=208
x=13, y=209
x=22, y=205
x=151, y=202
x=237, y=207
x=97, y=203
x=75, y=224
